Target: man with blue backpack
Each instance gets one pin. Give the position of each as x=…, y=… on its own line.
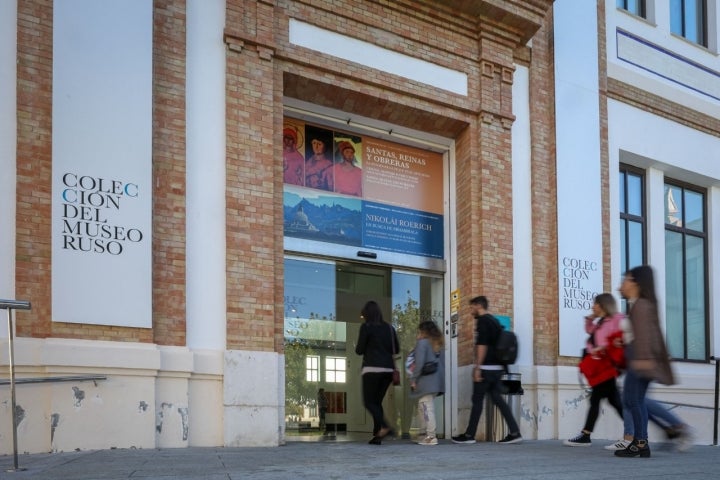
x=490, y=365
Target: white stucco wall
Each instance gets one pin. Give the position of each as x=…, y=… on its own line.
x=152, y=397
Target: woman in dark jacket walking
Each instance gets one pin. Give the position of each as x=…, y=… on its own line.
x=377, y=343
x=645, y=352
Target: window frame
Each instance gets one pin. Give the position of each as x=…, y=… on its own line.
x=627, y=217
x=702, y=22
x=684, y=231
x=641, y=11
x=334, y=370
x=314, y=368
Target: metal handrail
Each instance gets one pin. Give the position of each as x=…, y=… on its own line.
x=70, y=378
x=11, y=306
x=14, y=304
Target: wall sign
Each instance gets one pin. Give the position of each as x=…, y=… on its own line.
x=101, y=162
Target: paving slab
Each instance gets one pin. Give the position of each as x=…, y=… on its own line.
x=395, y=459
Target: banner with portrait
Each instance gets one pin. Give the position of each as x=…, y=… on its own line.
x=362, y=191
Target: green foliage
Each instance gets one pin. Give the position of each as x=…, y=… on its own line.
x=299, y=392
x=406, y=319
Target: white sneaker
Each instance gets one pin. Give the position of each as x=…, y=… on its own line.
x=428, y=441
x=619, y=445
x=685, y=439
x=419, y=437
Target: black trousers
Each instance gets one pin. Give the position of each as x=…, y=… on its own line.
x=607, y=389
x=492, y=385
x=375, y=385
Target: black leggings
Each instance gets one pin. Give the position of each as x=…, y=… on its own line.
x=375, y=384
x=607, y=389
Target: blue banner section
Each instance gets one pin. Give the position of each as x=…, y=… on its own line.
x=402, y=230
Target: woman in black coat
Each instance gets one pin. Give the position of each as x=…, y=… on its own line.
x=377, y=343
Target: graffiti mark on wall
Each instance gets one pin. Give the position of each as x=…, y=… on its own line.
x=79, y=397
x=54, y=422
x=184, y=417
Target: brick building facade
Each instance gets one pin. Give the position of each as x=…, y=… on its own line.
x=225, y=77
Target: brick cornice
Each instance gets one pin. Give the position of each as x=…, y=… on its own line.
x=516, y=20
x=649, y=102
x=250, y=23
x=490, y=118
x=236, y=42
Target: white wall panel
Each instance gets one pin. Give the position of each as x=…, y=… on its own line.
x=578, y=168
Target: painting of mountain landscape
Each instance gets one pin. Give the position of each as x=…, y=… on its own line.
x=322, y=217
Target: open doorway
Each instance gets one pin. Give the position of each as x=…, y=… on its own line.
x=323, y=299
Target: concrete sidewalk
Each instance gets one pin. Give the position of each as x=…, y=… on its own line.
x=395, y=459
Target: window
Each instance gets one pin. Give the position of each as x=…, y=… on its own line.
x=312, y=368
x=335, y=369
x=632, y=218
x=685, y=272
x=688, y=18
x=636, y=7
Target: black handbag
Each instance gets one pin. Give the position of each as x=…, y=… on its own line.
x=430, y=367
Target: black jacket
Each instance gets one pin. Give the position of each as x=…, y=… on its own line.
x=375, y=344
x=487, y=330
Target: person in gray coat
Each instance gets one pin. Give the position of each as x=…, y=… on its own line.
x=427, y=378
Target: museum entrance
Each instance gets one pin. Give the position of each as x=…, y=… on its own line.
x=323, y=388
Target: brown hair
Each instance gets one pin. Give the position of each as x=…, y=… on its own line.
x=432, y=333
x=607, y=302
x=645, y=280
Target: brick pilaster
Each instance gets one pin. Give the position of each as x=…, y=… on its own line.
x=254, y=178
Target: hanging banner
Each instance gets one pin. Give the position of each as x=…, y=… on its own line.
x=102, y=162
x=579, y=172
x=361, y=191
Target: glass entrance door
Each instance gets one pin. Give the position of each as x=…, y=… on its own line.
x=323, y=299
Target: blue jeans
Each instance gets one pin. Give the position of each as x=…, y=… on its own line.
x=634, y=391
x=657, y=414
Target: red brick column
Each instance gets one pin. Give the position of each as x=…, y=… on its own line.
x=34, y=174
x=254, y=178
x=34, y=166
x=169, y=172
x=484, y=189
x=544, y=195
